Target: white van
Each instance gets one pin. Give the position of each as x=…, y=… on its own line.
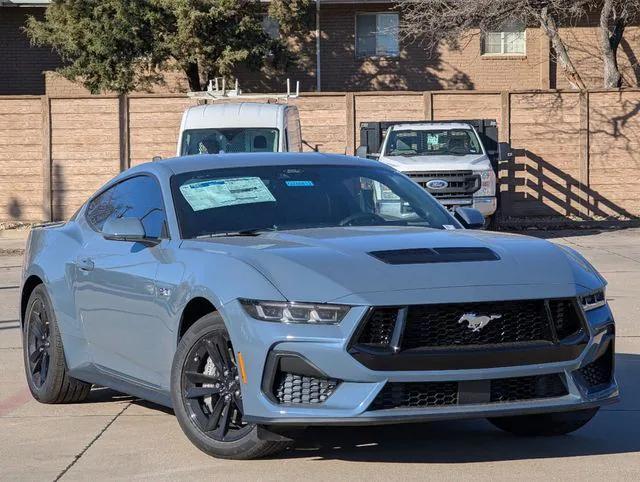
x=240, y=127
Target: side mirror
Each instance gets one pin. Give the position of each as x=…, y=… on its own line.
x=362, y=151
x=126, y=229
x=156, y=158
x=505, y=152
x=469, y=217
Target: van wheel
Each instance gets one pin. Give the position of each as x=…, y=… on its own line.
x=44, y=362
x=545, y=424
x=207, y=397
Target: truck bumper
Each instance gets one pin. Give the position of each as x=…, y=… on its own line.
x=486, y=205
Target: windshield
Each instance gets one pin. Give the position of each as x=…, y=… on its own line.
x=297, y=197
x=453, y=142
x=212, y=141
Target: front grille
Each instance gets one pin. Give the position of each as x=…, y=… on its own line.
x=599, y=372
x=527, y=388
x=416, y=395
x=379, y=326
x=445, y=326
x=461, y=184
x=438, y=394
x=292, y=388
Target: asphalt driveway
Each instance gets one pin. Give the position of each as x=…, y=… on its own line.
x=115, y=437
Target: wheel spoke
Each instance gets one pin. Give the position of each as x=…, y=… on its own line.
x=197, y=392
x=38, y=363
x=36, y=330
x=196, y=377
x=36, y=355
x=212, y=423
x=213, y=353
x=223, y=349
x=223, y=425
x=45, y=367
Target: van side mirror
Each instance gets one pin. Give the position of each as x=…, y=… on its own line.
x=126, y=229
x=470, y=218
x=505, y=152
x=362, y=152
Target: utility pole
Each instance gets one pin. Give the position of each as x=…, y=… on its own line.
x=318, y=32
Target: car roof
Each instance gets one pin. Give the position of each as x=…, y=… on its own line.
x=202, y=162
x=430, y=126
x=243, y=114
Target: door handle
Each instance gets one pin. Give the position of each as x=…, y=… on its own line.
x=85, y=264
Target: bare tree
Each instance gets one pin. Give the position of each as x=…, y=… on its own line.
x=615, y=15
x=436, y=21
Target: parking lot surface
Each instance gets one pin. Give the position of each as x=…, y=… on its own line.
x=113, y=436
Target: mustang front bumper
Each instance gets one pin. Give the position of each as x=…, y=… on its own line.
x=322, y=355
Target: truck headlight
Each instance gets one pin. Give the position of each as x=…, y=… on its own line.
x=487, y=183
x=593, y=300
x=307, y=313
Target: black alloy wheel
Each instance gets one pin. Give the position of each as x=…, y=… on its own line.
x=38, y=343
x=211, y=389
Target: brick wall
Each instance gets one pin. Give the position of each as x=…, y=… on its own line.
x=22, y=66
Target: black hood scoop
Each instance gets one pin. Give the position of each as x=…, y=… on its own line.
x=434, y=255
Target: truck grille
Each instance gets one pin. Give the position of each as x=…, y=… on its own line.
x=437, y=394
x=460, y=184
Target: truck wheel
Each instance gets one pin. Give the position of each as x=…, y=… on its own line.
x=545, y=424
x=44, y=362
x=207, y=398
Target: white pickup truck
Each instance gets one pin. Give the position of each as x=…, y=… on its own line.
x=448, y=159
x=240, y=127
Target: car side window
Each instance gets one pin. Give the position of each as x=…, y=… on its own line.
x=140, y=197
x=101, y=208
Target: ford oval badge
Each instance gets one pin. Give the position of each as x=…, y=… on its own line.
x=437, y=184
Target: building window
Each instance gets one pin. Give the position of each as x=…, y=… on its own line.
x=511, y=40
x=377, y=35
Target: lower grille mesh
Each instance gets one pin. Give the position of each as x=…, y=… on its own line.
x=527, y=388
x=598, y=372
x=436, y=394
x=292, y=388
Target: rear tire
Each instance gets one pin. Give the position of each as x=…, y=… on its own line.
x=545, y=424
x=211, y=417
x=44, y=361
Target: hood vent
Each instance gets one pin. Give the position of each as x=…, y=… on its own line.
x=435, y=255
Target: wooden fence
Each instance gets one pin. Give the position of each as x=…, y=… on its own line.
x=577, y=154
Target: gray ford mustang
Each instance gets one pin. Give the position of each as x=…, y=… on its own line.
x=259, y=293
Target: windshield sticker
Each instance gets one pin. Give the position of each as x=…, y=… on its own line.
x=433, y=139
x=299, y=183
x=225, y=192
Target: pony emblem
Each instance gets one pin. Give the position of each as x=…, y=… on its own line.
x=477, y=323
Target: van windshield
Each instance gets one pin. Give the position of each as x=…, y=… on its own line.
x=212, y=141
x=450, y=142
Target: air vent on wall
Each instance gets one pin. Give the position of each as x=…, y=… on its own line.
x=434, y=255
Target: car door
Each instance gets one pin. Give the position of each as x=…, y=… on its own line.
x=116, y=294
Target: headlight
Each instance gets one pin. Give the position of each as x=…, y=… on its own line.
x=593, y=300
x=308, y=313
x=487, y=183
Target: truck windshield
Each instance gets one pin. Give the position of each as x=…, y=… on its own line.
x=212, y=141
x=249, y=199
x=452, y=142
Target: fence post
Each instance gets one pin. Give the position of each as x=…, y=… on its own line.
x=584, y=153
x=47, y=184
x=505, y=167
x=350, y=100
x=123, y=125
x=427, y=98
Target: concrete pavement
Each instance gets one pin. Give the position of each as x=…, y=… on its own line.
x=114, y=437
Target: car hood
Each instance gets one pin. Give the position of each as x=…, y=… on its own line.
x=321, y=265
x=437, y=163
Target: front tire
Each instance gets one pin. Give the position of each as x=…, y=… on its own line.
x=545, y=424
x=44, y=361
x=206, y=394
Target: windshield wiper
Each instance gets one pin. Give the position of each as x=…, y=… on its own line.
x=242, y=232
